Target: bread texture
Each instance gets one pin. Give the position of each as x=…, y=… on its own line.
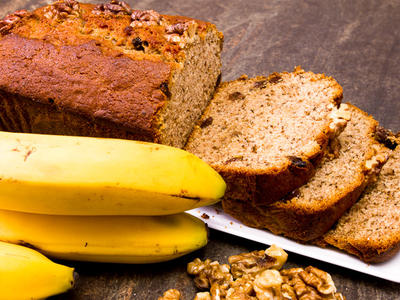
x=308, y=212
x=265, y=135
x=371, y=228
x=106, y=70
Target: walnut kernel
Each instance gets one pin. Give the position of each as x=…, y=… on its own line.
x=145, y=18
x=250, y=263
x=171, y=294
x=208, y=273
x=267, y=285
x=9, y=21
x=114, y=7
x=310, y=283
x=61, y=10
x=279, y=254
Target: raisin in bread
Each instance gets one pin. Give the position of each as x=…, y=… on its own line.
x=371, y=228
x=309, y=211
x=106, y=70
x=265, y=134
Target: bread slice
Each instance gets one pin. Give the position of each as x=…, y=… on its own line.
x=371, y=228
x=311, y=210
x=265, y=134
x=106, y=70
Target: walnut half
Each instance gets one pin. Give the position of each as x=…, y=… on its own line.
x=256, y=262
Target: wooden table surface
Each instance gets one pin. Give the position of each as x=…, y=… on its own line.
x=357, y=42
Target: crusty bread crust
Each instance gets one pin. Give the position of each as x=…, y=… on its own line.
x=261, y=187
x=293, y=221
x=20, y=115
x=370, y=253
x=71, y=68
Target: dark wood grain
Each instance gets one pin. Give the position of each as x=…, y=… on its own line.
x=357, y=42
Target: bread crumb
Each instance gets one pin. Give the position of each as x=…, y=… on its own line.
x=205, y=216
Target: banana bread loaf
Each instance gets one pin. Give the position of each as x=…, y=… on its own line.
x=371, y=228
x=311, y=210
x=106, y=70
x=264, y=135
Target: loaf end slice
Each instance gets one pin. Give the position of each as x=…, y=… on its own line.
x=308, y=212
x=371, y=228
x=106, y=70
x=265, y=135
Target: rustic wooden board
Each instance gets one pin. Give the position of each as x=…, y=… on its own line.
x=357, y=42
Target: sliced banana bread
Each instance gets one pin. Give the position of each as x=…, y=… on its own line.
x=265, y=134
x=106, y=70
x=309, y=211
x=371, y=228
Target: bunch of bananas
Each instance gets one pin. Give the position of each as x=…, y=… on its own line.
x=93, y=199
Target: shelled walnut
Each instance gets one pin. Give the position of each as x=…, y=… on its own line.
x=308, y=284
x=145, y=18
x=241, y=288
x=61, y=10
x=250, y=263
x=256, y=276
x=267, y=285
x=114, y=7
x=208, y=273
x=256, y=262
x=10, y=20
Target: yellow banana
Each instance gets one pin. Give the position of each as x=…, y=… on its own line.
x=27, y=274
x=115, y=239
x=70, y=175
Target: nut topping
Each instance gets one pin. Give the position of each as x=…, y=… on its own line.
x=181, y=33
x=145, y=18
x=62, y=9
x=178, y=28
x=114, y=7
x=9, y=21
